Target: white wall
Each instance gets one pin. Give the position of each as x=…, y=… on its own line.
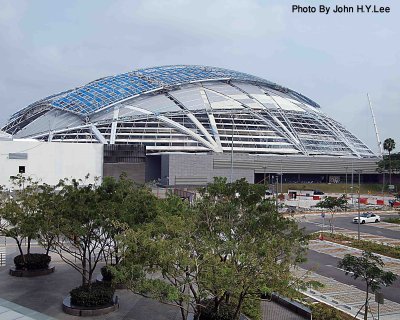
x=51, y=161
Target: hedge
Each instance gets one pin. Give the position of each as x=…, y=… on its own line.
x=32, y=261
x=98, y=294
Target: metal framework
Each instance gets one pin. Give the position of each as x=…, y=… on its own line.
x=188, y=109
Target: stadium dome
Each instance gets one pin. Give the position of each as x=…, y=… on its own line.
x=187, y=108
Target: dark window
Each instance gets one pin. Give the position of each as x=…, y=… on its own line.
x=21, y=169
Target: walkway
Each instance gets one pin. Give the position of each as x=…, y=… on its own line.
x=40, y=298
x=345, y=297
x=339, y=250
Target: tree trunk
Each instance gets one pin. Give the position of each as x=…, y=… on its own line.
x=20, y=249
x=366, y=305
x=239, y=306
x=28, y=250
x=183, y=314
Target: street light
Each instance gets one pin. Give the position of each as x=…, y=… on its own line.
x=232, y=150
x=359, y=189
x=345, y=189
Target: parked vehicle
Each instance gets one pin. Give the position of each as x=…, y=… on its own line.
x=367, y=217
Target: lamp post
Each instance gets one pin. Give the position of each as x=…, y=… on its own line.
x=359, y=192
x=232, y=150
x=352, y=184
x=345, y=188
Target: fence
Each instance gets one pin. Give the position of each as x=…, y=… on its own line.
x=2, y=256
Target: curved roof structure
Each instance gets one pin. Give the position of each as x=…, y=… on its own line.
x=188, y=109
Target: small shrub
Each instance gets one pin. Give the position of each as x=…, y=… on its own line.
x=225, y=312
x=106, y=274
x=252, y=308
x=96, y=295
x=32, y=261
x=322, y=312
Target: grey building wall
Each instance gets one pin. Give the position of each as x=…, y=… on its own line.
x=134, y=171
x=153, y=168
x=199, y=169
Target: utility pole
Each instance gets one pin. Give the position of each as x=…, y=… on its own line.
x=345, y=188
x=276, y=191
x=232, y=151
x=359, y=192
x=352, y=183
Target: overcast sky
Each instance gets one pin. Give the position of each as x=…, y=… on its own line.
x=50, y=46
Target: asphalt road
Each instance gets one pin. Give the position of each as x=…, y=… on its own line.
x=326, y=265
x=314, y=224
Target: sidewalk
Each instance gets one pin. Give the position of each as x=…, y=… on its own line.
x=339, y=250
x=345, y=297
x=40, y=298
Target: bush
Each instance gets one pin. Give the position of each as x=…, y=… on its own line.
x=225, y=312
x=321, y=312
x=97, y=294
x=252, y=308
x=106, y=274
x=32, y=261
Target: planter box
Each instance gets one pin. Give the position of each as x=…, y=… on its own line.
x=31, y=273
x=80, y=311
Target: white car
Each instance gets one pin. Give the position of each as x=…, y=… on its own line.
x=367, y=217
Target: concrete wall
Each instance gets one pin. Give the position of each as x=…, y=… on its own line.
x=50, y=161
x=199, y=169
x=134, y=171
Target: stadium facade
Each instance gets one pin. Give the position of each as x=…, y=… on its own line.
x=187, y=124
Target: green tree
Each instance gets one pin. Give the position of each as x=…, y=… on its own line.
x=83, y=231
x=369, y=267
x=126, y=204
x=229, y=247
x=253, y=246
x=394, y=163
x=48, y=218
x=19, y=212
x=168, y=246
x=332, y=204
x=389, y=145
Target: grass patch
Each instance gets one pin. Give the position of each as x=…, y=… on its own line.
x=321, y=311
x=392, y=220
x=393, y=252
x=252, y=308
x=334, y=187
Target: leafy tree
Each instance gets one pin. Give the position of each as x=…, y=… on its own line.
x=126, y=204
x=369, y=267
x=83, y=228
x=332, y=204
x=394, y=163
x=166, y=246
x=19, y=212
x=254, y=246
x=389, y=145
x=229, y=247
x=48, y=217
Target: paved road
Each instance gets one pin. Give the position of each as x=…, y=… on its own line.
x=313, y=224
x=326, y=265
